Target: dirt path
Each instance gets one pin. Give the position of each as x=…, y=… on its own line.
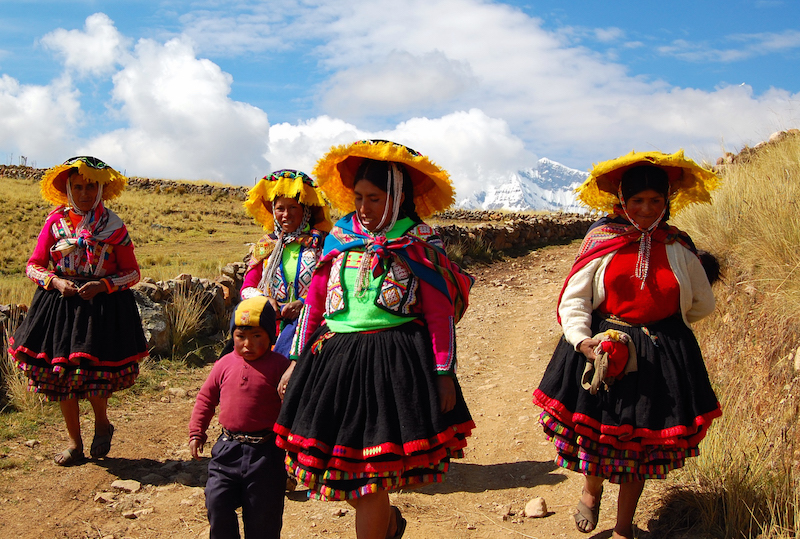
x=505, y=341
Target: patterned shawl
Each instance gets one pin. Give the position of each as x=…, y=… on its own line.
x=427, y=261
x=96, y=226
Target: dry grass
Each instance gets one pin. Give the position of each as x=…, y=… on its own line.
x=464, y=252
x=746, y=483
x=13, y=382
x=185, y=315
x=754, y=224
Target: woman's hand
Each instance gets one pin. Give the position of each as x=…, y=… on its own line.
x=587, y=346
x=291, y=310
x=196, y=447
x=65, y=286
x=446, y=388
x=284, y=383
x=91, y=289
x=275, y=306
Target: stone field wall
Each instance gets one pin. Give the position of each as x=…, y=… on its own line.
x=495, y=232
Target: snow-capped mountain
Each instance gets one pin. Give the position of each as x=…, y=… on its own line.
x=549, y=186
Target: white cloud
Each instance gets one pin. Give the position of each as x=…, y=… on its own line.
x=751, y=46
x=565, y=102
x=299, y=146
x=609, y=35
x=95, y=51
x=474, y=148
x=400, y=82
x=479, y=86
x=182, y=124
x=38, y=121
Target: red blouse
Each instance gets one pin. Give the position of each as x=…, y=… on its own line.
x=624, y=297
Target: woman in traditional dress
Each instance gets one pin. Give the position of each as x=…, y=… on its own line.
x=82, y=337
x=626, y=395
x=290, y=207
x=373, y=404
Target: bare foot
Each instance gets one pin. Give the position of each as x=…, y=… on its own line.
x=70, y=456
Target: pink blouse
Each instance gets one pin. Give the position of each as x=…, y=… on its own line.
x=116, y=265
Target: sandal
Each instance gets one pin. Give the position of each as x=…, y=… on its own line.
x=101, y=445
x=401, y=524
x=69, y=457
x=586, y=518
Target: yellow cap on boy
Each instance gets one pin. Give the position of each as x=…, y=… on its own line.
x=255, y=312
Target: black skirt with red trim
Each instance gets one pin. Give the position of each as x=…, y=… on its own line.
x=361, y=414
x=69, y=347
x=645, y=424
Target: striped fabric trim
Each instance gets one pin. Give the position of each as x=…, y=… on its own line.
x=625, y=436
x=73, y=359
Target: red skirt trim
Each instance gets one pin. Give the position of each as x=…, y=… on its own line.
x=74, y=358
x=622, y=436
x=356, y=460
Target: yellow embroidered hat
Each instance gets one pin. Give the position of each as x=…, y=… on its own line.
x=689, y=183
x=54, y=181
x=335, y=172
x=291, y=184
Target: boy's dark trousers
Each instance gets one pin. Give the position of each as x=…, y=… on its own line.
x=250, y=476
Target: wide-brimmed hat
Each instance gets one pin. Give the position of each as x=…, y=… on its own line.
x=54, y=181
x=335, y=173
x=689, y=183
x=291, y=184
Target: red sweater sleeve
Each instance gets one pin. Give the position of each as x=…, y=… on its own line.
x=127, y=273
x=251, y=280
x=37, y=267
x=205, y=404
x=313, y=311
x=439, y=317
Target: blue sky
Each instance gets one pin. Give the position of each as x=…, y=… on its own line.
x=228, y=91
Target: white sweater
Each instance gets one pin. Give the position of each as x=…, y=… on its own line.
x=585, y=291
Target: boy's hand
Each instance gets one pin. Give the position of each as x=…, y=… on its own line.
x=196, y=447
x=287, y=374
x=447, y=393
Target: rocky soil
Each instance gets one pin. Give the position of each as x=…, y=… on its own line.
x=148, y=487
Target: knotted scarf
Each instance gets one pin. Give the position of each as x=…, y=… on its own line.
x=97, y=225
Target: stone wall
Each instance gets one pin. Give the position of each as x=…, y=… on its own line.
x=220, y=295
x=519, y=232
x=494, y=231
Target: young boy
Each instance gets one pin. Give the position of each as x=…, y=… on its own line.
x=246, y=468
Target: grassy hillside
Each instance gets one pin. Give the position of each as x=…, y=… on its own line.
x=746, y=483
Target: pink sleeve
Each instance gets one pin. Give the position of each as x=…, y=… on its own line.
x=127, y=273
x=36, y=269
x=251, y=280
x=438, y=314
x=313, y=311
x=205, y=403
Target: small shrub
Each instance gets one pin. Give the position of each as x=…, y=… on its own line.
x=185, y=314
x=14, y=381
x=465, y=251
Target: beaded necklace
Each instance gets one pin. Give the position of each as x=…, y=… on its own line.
x=646, y=241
